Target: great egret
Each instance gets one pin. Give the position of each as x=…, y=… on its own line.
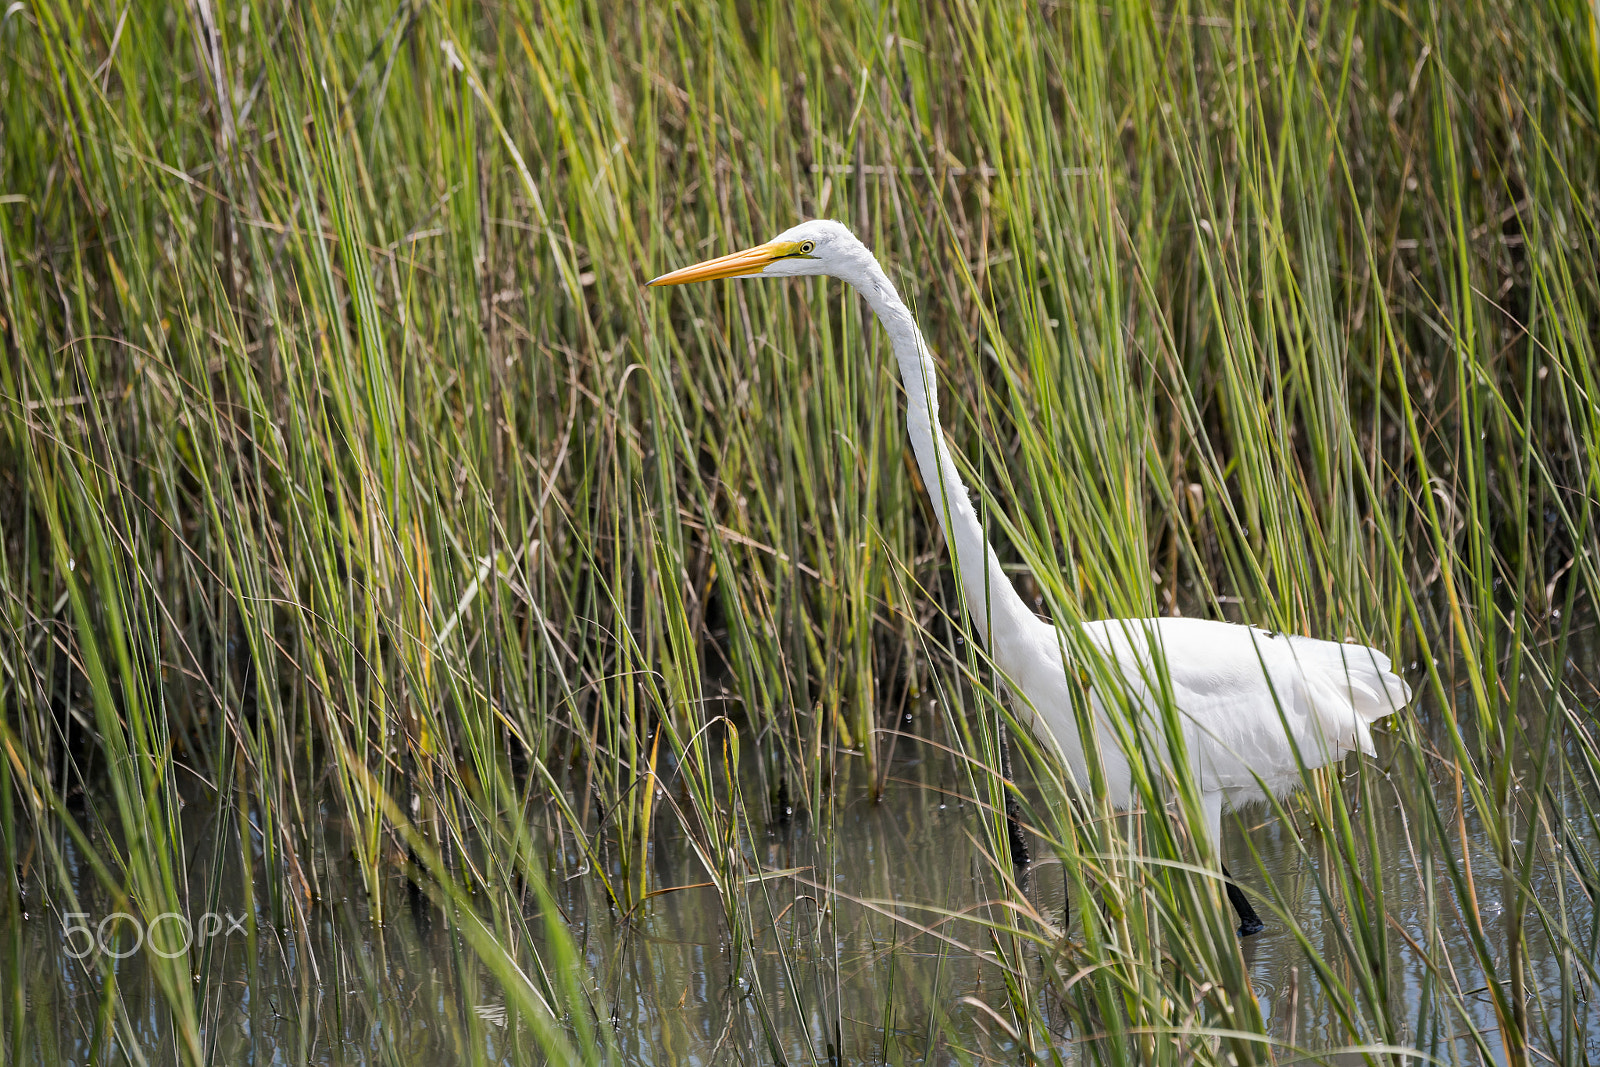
x=1248, y=700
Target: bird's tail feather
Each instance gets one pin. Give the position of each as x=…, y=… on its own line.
x=1350, y=686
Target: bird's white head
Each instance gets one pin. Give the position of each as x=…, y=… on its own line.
x=818, y=246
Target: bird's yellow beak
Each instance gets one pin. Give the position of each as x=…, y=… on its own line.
x=734, y=265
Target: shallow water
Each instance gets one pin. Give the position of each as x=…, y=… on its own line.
x=837, y=960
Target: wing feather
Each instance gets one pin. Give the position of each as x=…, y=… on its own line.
x=1245, y=694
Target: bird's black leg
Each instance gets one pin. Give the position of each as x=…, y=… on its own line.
x=1249, y=922
x=1020, y=855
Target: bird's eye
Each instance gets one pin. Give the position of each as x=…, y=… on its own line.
x=807, y=247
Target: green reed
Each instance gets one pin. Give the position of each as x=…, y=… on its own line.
x=351, y=480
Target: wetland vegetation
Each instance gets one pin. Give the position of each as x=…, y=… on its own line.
x=419, y=641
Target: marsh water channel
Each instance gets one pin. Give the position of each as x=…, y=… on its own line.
x=856, y=950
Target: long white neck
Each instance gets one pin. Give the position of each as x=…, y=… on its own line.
x=994, y=605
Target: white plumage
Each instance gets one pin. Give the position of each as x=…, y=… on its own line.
x=1247, y=699
x=1242, y=695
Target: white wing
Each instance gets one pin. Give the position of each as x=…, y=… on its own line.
x=1248, y=699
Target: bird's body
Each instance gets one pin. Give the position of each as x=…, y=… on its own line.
x=1255, y=707
x=1247, y=699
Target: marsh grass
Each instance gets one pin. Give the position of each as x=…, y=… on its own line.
x=351, y=478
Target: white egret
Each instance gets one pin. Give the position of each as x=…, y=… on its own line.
x=1248, y=700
